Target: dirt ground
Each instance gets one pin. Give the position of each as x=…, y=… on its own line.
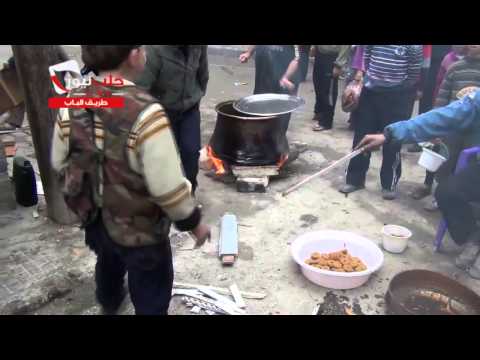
x=46, y=269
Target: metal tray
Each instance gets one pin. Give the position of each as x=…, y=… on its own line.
x=268, y=104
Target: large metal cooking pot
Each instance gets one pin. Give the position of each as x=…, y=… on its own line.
x=423, y=292
x=243, y=139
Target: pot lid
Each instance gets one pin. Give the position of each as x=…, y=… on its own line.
x=268, y=104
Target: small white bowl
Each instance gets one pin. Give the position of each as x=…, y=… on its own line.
x=430, y=160
x=329, y=241
x=395, y=238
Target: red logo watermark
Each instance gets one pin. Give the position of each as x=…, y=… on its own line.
x=86, y=102
x=105, y=99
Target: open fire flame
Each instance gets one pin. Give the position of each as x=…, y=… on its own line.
x=283, y=159
x=217, y=163
x=219, y=166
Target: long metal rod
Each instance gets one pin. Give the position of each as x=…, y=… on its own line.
x=323, y=171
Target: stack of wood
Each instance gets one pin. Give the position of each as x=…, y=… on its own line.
x=205, y=298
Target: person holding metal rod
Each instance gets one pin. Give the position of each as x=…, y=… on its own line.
x=391, y=75
x=455, y=194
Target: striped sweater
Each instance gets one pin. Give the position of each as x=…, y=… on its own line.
x=462, y=74
x=392, y=66
x=451, y=58
x=151, y=152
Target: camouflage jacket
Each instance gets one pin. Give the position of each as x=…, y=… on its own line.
x=130, y=216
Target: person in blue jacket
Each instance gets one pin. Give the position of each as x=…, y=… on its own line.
x=455, y=195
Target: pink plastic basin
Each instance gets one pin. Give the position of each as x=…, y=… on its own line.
x=329, y=241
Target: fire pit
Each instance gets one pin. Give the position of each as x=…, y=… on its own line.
x=249, y=147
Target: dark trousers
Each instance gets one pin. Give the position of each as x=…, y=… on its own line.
x=427, y=101
x=454, y=197
x=186, y=128
x=376, y=110
x=150, y=272
x=304, y=60
x=430, y=176
x=326, y=88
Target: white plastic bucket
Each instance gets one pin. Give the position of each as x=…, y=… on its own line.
x=430, y=160
x=395, y=238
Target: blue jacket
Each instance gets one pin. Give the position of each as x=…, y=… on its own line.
x=460, y=116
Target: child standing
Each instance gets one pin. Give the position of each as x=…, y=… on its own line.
x=452, y=57
x=391, y=75
x=122, y=165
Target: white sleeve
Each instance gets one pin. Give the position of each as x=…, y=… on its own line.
x=160, y=164
x=60, y=141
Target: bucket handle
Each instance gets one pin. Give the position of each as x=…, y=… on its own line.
x=445, y=148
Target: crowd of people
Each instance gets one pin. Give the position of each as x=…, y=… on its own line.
x=138, y=173
x=445, y=78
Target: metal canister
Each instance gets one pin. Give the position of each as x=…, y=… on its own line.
x=25, y=183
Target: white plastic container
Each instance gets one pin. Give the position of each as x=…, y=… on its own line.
x=430, y=160
x=329, y=241
x=395, y=238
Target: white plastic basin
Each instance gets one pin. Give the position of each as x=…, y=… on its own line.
x=329, y=241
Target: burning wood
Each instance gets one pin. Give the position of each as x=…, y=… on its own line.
x=217, y=163
x=283, y=159
x=249, y=178
x=205, y=162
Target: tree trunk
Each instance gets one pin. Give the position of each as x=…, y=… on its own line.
x=32, y=62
